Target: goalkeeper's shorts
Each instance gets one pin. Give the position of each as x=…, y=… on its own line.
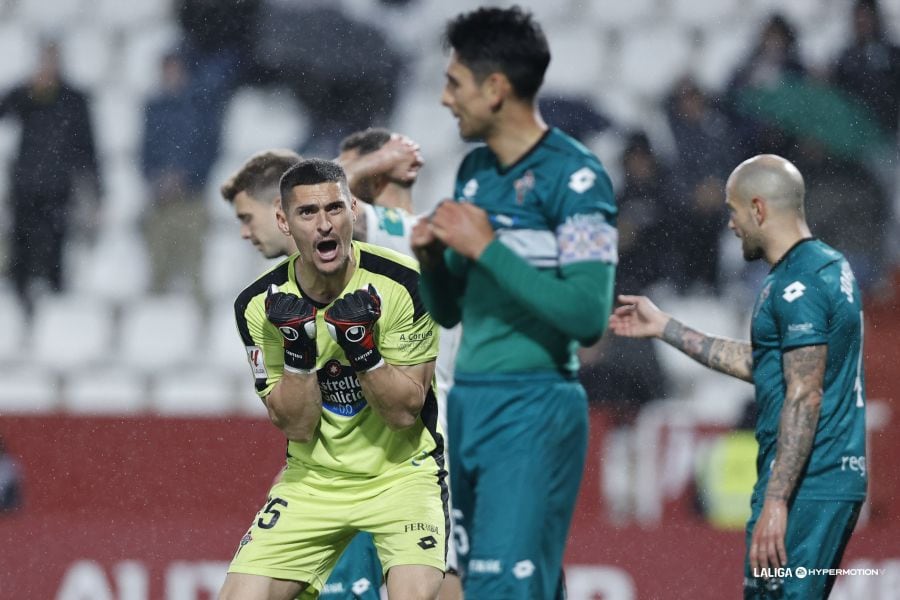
x=517, y=448
x=300, y=532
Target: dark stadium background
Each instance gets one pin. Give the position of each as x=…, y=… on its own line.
x=139, y=449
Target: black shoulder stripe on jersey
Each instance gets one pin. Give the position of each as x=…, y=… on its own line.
x=278, y=275
x=403, y=275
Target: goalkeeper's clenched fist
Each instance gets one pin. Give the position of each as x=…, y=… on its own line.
x=295, y=318
x=351, y=322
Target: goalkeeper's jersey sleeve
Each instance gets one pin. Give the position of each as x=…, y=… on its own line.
x=553, y=210
x=351, y=439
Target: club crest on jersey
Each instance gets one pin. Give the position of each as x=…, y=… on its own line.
x=523, y=185
x=470, y=189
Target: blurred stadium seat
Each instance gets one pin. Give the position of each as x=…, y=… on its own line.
x=109, y=390
x=72, y=332
x=13, y=326
x=197, y=392
x=653, y=57
x=26, y=387
x=160, y=334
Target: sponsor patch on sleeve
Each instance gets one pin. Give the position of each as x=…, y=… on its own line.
x=587, y=238
x=257, y=362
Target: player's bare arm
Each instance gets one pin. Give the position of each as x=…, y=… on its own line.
x=804, y=374
x=295, y=406
x=639, y=317
x=397, y=393
x=400, y=159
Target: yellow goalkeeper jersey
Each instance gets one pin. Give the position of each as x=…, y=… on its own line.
x=352, y=441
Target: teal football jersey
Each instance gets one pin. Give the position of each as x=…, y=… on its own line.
x=554, y=207
x=810, y=298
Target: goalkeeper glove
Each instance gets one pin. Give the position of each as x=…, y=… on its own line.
x=295, y=318
x=351, y=322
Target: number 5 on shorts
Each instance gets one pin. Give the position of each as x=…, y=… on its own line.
x=272, y=512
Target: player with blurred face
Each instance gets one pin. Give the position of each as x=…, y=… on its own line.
x=805, y=361
x=253, y=192
x=532, y=210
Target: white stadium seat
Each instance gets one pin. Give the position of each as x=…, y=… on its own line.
x=131, y=14
x=140, y=63
x=27, y=388
x=71, y=332
x=225, y=349
x=257, y=119
x=118, y=115
x=86, y=56
x=116, y=268
x=623, y=13
x=159, y=334
x=51, y=18
x=19, y=51
x=653, y=58
x=193, y=392
x=111, y=390
x=12, y=326
x=707, y=14
x=579, y=59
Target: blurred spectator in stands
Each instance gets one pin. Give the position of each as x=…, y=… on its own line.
x=175, y=169
x=345, y=72
x=622, y=373
x=774, y=60
x=847, y=208
x=56, y=146
x=10, y=481
x=576, y=115
x=869, y=68
x=704, y=156
x=217, y=54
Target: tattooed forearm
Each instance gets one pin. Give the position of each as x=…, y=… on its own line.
x=804, y=373
x=726, y=356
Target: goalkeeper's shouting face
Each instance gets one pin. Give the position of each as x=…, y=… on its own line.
x=318, y=211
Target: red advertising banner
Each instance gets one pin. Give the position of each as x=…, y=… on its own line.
x=146, y=508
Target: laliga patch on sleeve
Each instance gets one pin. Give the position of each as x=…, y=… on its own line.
x=257, y=362
x=587, y=238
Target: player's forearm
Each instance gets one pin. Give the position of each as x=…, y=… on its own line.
x=804, y=374
x=796, y=432
x=396, y=397
x=731, y=357
x=295, y=406
x=440, y=292
x=581, y=299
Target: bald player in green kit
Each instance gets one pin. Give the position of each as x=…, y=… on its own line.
x=805, y=360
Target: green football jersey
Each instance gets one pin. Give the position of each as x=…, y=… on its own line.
x=554, y=208
x=351, y=440
x=811, y=298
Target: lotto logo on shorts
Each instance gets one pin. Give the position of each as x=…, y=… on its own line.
x=427, y=543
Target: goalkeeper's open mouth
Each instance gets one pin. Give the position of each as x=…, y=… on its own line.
x=327, y=250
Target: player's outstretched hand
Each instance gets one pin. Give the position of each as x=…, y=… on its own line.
x=295, y=318
x=637, y=317
x=351, y=323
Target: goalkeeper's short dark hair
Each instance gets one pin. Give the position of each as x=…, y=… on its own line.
x=501, y=40
x=313, y=171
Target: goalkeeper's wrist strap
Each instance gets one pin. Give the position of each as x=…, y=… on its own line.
x=297, y=371
x=377, y=365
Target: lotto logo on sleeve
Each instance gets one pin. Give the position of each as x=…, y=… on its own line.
x=582, y=180
x=793, y=291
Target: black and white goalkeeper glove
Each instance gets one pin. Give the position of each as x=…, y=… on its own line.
x=295, y=318
x=351, y=323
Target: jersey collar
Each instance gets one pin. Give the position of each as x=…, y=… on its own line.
x=789, y=251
